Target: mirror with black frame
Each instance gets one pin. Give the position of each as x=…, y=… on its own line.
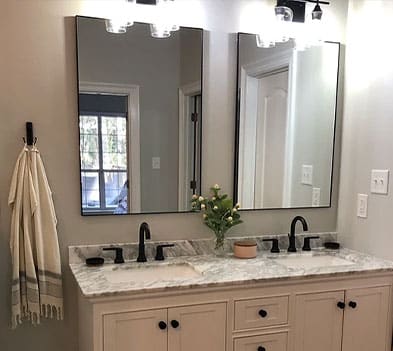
x=285, y=124
x=140, y=103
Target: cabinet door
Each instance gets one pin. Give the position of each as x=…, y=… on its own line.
x=318, y=322
x=366, y=320
x=198, y=328
x=136, y=331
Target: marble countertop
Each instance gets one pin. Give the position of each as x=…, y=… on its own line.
x=212, y=271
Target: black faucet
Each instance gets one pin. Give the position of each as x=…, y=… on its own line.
x=143, y=230
x=291, y=236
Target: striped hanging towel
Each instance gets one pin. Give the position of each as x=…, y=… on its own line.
x=36, y=274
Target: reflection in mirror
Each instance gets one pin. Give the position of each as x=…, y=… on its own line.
x=140, y=103
x=285, y=125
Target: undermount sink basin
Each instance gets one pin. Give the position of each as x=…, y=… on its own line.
x=309, y=261
x=151, y=273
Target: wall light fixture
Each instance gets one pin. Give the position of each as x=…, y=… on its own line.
x=291, y=22
x=123, y=11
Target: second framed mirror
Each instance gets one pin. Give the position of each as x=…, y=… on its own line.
x=285, y=124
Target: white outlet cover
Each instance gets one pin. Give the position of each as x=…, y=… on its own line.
x=362, y=205
x=379, y=181
x=156, y=162
x=307, y=171
x=316, y=197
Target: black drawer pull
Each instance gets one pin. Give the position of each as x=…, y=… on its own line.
x=174, y=323
x=162, y=325
x=262, y=313
x=341, y=305
x=261, y=348
x=352, y=304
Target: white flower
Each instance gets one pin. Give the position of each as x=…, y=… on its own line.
x=201, y=198
x=237, y=205
x=216, y=186
x=215, y=208
x=203, y=206
x=229, y=219
x=234, y=209
x=194, y=197
x=204, y=216
x=213, y=198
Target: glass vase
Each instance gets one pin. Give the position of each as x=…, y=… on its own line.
x=219, y=248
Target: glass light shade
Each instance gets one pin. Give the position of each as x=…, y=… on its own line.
x=284, y=17
x=160, y=31
x=317, y=13
x=164, y=23
x=316, y=33
x=283, y=13
x=116, y=26
x=263, y=42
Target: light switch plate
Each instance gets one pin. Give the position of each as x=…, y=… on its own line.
x=316, y=197
x=156, y=162
x=379, y=181
x=307, y=171
x=362, y=205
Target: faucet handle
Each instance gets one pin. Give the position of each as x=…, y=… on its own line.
x=119, y=253
x=275, y=248
x=306, y=245
x=160, y=252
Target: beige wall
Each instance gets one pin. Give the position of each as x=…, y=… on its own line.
x=368, y=126
x=38, y=83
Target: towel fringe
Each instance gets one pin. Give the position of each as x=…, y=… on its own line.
x=51, y=311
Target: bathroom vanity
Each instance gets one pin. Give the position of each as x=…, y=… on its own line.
x=323, y=300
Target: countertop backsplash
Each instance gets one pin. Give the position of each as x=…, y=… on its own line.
x=192, y=247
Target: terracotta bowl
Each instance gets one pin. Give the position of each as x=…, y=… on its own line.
x=245, y=249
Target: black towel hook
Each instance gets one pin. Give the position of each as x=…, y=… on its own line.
x=30, y=139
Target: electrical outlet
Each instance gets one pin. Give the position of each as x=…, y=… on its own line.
x=156, y=162
x=316, y=197
x=379, y=181
x=362, y=206
x=307, y=171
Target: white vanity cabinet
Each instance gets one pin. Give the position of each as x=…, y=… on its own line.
x=301, y=314
x=191, y=328
x=350, y=320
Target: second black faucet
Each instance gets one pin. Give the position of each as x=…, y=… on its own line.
x=291, y=235
x=144, y=232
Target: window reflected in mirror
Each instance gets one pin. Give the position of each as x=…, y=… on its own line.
x=140, y=118
x=285, y=124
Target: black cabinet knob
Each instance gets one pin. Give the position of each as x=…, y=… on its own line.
x=262, y=313
x=261, y=348
x=341, y=305
x=352, y=304
x=162, y=325
x=174, y=323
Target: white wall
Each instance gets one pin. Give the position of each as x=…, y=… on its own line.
x=38, y=83
x=368, y=126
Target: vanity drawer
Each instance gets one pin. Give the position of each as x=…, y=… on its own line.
x=268, y=342
x=263, y=312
